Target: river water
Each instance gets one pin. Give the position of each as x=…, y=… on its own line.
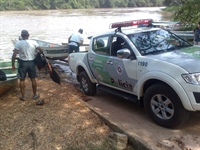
x=57, y=25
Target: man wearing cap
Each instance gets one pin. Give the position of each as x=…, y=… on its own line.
x=26, y=49
x=74, y=41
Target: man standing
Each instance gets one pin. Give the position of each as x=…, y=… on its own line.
x=74, y=41
x=197, y=35
x=26, y=49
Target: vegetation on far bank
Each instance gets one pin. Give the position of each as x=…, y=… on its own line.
x=185, y=11
x=75, y=4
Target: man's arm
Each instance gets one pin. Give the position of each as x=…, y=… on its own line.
x=81, y=42
x=40, y=49
x=69, y=38
x=15, y=52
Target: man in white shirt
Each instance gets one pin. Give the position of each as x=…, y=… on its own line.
x=74, y=41
x=26, y=49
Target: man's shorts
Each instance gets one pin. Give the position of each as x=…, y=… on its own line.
x=72, y=48
x=26, y=67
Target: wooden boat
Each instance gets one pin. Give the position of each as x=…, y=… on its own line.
x=6, y=66
x=52, y=50
x=57, y=51
x=172, y=26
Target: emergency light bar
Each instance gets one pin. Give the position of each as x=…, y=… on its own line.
x=131, y=23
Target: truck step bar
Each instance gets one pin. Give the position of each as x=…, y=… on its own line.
x=118, y=93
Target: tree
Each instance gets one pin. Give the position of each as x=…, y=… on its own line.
x=188, y=12
x=74, y=4
x=173, y=2
x=131, y=3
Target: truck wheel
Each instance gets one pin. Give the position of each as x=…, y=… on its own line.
x=88, y=87
x=164, y=106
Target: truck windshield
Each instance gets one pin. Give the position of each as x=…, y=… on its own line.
x=157, y=41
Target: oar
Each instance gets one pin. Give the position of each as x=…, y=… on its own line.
x=53, y=73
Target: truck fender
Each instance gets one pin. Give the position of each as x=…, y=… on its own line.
x=81, y=66
x=167, y=79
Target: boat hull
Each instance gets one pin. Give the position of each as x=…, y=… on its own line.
x=6, y=67
x=5, y=86
x=56, y=52
x=52, y=50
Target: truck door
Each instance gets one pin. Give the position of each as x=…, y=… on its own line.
x=97, y=58
x=122, y=71
x=110, y=70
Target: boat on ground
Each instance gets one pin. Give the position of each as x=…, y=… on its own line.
x=52, y=50
x=6, y=66
x=11, y=81
x=57, y=51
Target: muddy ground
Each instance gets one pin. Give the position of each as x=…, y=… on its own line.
x=62, y=123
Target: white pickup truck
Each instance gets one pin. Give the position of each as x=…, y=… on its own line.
x=149, y=65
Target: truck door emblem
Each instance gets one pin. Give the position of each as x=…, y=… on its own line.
x=119, y=69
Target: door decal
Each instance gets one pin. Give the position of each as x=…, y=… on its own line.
x=119, y=69
x=122, y=84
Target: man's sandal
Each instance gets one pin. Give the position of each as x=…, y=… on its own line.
x=36, y=96
x=22, y=98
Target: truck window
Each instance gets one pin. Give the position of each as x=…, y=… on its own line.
x=100, y=45
x=117, y=44
x=157, y=40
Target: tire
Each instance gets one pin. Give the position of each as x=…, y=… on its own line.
x=87, y=86
x=164, y=106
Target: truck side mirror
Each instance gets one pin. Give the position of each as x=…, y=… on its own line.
x=123, y=53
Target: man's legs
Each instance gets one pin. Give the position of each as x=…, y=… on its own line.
x=22, y=88
x=32, y=75
x=34, y=86
x=76, y=49
x=70, y=49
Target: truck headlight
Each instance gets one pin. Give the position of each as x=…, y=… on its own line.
x=193, y=78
